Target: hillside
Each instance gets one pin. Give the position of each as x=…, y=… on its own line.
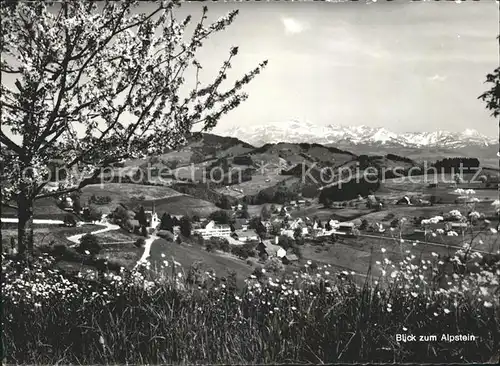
x=199, y=147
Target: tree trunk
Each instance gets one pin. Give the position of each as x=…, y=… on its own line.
x=25, y=224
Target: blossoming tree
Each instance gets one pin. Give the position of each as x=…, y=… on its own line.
x=492, y=98
x=90, y=84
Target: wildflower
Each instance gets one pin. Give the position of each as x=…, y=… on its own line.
x=383, y=250
x=487, y=304
x=294, y=308
x=405, y=329
x=446, y=311
x=436, y=314
x=87, y=252
x=163, y=255
x=414, y=294
x=434, y=254
x=493, y=230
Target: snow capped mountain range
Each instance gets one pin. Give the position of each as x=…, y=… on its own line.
x=296, y=132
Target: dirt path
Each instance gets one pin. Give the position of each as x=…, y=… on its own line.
x=147, y=249
x=107, y=227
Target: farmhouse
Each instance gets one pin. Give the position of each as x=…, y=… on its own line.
x=289, y=258
x=212, y=229
x=346, y=228
x=240, y=224
x=244, y=235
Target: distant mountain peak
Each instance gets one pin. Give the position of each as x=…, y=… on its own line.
x=303, y=131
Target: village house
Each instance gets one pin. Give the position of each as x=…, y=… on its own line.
x=240, y=224
x=237, y=207
x=212, y=229
x=244, y=235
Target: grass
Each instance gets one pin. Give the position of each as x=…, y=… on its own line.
x=45, y=208
x=258, y=183
x=301, y=319
x=183, y=205
x=116, y=236
x=126, y=255
x=124, y=193
x=46, y=235
x=187, y=254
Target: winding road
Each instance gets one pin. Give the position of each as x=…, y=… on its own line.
x=107, y=227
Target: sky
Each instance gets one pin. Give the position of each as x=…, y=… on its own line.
x=406, y=66
x=403, y=65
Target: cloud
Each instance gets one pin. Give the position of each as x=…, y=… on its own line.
x=292, y=26
x=436, y=77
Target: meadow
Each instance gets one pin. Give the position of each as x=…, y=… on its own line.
x=309, y=316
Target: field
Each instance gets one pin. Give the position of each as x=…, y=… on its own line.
x=187, y=254
x=341, y=214
x=45, y=208
x=126, y=192
x=46, y=235
x=183, y=205
x=258, y=183
x=125, y=255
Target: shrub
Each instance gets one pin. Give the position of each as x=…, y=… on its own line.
x=243, y=251
x=274, y=265
x=100, y=200
x=139, y=243
x=185, y=226
x=220, y=217
x=59, y=249
x=69, y=220
x=89, y=243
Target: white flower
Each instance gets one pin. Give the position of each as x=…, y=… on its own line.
x=487, y=304
x=446, y=311
x=383, y=250
x=434, y=254
x=414, y=294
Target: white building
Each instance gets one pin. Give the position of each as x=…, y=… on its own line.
x=212, y=229
x=152, y=219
